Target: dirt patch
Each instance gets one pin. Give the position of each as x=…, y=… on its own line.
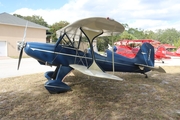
x=136, y=97
x=171, y=69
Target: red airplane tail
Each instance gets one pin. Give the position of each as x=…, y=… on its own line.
x=160, y=53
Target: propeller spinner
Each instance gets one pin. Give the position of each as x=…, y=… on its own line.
x=21, y=46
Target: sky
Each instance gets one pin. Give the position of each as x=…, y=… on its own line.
x=141, y=14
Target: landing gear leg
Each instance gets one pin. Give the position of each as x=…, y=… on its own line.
x=54, y=83
x=146, y=76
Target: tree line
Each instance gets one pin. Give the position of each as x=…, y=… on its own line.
x=39, y=20
x=169, y=35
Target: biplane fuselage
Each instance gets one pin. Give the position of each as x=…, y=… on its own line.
x=49, y=54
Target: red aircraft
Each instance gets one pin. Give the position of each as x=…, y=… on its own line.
x=129, y=48
x=169, y=52
x=160, y=53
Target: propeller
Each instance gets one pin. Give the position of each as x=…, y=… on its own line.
x=21, y=46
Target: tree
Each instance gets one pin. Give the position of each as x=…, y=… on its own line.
x=126, y=26
x=36, y=19
x=149, y=34
x=56, y=26
x=17, y=15
x=137, y=33
x=102, y=43
x=170, y=36
x=127, y=36
x=177, y=43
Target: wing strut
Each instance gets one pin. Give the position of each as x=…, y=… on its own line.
x=112, y=53
x=112, y=47
x=93, y=69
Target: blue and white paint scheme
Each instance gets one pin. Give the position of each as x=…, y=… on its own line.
x=66, y=54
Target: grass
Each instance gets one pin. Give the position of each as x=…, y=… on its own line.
x=156, y=97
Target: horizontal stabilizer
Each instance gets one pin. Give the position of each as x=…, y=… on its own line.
x=158, y=69
x=93, y=72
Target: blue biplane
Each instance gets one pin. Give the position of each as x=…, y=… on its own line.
x=66, y=54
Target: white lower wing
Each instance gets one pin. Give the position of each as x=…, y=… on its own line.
x=94, y=72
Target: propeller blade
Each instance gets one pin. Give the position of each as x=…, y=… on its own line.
x=20, y=56
x=25, y=31
x=21, y=45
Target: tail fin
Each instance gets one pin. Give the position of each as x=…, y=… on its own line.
x=145, y=55
x=161, y=53
x=145, y=58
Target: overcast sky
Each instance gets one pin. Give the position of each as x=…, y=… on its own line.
x=144, y=14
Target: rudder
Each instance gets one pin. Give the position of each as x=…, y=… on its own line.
x=145, y=55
